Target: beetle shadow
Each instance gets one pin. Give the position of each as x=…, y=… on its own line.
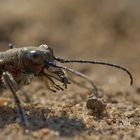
x=40, y=119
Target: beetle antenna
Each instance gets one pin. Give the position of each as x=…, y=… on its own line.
x=99, y=63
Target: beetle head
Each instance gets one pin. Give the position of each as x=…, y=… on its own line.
x=41, y=61
x=38, y=60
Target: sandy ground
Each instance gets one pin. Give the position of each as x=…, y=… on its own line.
x=91, y=30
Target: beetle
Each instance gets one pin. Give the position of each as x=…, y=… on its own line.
x=18, y=66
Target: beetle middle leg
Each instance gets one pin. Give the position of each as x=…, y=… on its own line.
x=10, y=82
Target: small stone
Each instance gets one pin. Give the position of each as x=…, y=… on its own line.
x=96, y=105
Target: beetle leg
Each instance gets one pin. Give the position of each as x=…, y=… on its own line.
x=55, y=85
x=47, y=84
x=95, y=90
x=10, y=82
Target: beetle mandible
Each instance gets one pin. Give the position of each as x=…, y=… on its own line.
x=19, y=65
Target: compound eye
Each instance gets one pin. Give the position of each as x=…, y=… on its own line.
x=36, y=57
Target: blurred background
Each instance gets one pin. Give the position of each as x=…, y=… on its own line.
x=77, y=29
x=103, y=30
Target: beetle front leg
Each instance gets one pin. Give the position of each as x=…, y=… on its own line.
x=12, y=85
